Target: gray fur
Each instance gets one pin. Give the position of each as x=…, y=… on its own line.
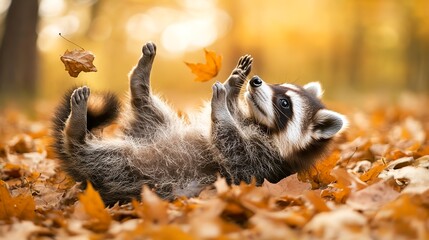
x=174, y=157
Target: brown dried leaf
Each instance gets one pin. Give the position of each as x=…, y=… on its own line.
x=77, y=61
x=289, y=186
x=372, y=197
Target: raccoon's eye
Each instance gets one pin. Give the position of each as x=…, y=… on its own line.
x=284, y=103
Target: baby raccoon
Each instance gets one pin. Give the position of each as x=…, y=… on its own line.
x=277, y=131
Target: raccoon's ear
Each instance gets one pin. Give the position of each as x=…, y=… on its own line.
x=314, y=88
x=327, y=123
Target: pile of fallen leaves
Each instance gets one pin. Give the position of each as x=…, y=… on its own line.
x=374, y=185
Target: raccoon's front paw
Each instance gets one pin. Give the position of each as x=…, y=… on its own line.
x=245, y=64
x=79, y=99
x=239, y=74
x=219, y=107
x=149, y=50
x=219, y=93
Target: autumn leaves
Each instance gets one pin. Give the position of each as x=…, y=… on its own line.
x=80, y=60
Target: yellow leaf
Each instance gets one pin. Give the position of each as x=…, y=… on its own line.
x=209, y=70
x=21, y=207
x=94, y=208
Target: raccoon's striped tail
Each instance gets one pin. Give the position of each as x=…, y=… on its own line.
x=103, y=109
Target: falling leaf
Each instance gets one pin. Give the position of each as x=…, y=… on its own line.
x=21, y=207
x=77, y=61
x=99, y=218
x=208, y=70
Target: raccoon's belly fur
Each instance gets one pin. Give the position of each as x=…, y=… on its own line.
x=176, y=165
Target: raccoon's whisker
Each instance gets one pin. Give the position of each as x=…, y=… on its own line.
x=277, y=113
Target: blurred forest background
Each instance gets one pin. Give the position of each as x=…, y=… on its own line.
x=356, y=48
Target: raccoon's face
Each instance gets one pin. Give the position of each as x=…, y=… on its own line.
x=294, y=115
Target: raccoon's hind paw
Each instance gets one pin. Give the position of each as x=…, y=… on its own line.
x=149, y=50
x=76, y=125
x=79, y=99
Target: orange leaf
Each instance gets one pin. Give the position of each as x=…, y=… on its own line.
x=320, y=173
x=209, y=70
x=152, y=209
x=94, y=207
x=318, y=203
x=143, y=231
x=77, y=61
x=21, y=207
x=372, y=174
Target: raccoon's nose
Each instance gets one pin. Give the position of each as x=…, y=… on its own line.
x=255, y=81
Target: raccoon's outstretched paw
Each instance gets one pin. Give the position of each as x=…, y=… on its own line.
x=149, y=50
x=239, y=74
x=219, y=92
x=140, y=75
x=76, y=125
x=219, y=107
x=79, y=99
x=245, y=64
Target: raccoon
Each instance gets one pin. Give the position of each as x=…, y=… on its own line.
x=275, y=131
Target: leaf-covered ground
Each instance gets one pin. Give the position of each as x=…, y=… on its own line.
x=374, y=185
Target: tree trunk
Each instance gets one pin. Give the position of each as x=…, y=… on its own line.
x=18, y=72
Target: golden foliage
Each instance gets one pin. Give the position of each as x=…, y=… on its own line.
x=375, y=184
